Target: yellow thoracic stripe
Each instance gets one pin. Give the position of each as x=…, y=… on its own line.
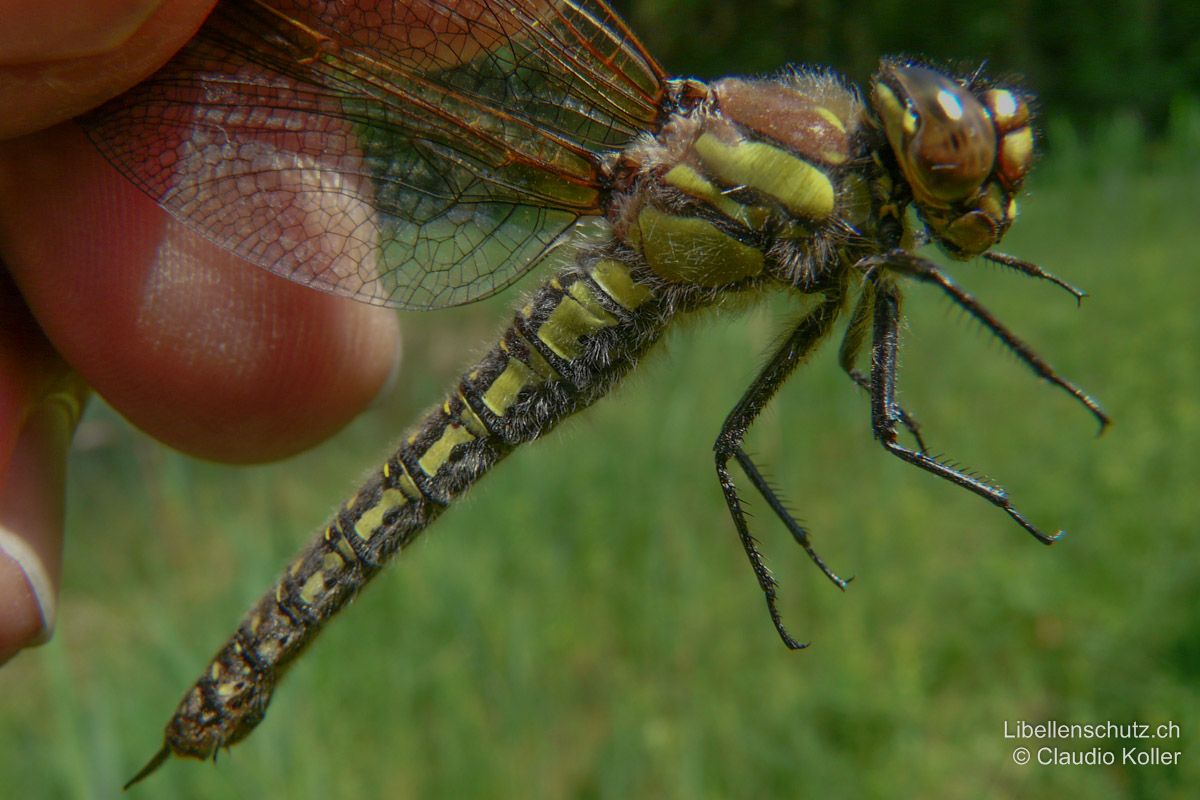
x=691, y=250
x=691, y=182
x=803, y=189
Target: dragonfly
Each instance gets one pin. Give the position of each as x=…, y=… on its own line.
x=422, y=154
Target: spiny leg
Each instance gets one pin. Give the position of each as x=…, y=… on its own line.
x=905, y=263
x=795, y=349
x=885, y=415
x=798, y=531
x=852, y=342
x=1034, y=271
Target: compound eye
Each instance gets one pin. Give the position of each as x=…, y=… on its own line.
x=943, y=136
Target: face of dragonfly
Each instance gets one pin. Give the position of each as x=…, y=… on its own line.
x=964, y=152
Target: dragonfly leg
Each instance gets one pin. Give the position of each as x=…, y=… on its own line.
x=776, y=503
x=904, y=263
x=852, y=342
x=798, y=345
x=1034, y=271
x=885, y=413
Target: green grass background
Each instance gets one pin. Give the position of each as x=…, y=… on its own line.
x=585, y=623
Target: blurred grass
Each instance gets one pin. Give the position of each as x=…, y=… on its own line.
x=585, y=624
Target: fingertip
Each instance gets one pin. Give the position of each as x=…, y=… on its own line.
x=53, y=30
x=40, y=404
x=386, y=334
x=194, y=346
x=60, y=59
x=231, y=363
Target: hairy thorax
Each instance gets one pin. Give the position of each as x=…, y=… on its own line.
x=748, y=181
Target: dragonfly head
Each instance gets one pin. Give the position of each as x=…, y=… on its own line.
x=963, y=150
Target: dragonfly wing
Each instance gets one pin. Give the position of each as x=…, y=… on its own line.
x=417, y=154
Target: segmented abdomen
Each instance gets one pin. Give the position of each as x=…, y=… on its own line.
x=575, y=337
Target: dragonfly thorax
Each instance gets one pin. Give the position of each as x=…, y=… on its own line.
x=747, y=179
x=962, y=151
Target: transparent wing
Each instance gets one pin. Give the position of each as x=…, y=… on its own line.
x=417, y=154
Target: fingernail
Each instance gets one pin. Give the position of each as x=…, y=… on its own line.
x=53, y=30
x=26, y=595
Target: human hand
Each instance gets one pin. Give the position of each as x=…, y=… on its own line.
x=99, y=287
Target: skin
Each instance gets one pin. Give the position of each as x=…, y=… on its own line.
x=203, y=352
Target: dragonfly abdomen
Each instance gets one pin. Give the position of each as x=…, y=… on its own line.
x=574, y=338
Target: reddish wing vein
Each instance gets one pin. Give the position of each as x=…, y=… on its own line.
x=418, y=154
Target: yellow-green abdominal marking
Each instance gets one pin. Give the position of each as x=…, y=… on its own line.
x=371, y=520
x=502, y=392
x=576, y=315
x=617, y=282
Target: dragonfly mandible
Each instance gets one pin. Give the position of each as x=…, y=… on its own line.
x=428, y=153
